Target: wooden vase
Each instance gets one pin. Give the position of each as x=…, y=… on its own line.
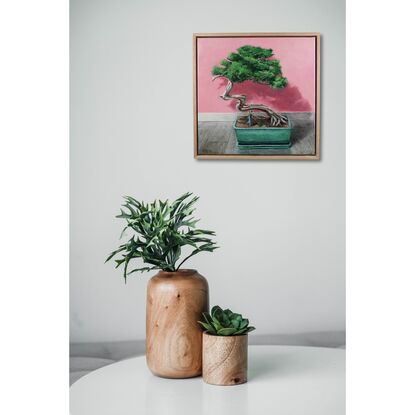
x=175, y=302
x=225, y=359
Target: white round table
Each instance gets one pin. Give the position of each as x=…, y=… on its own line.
x=282, y=380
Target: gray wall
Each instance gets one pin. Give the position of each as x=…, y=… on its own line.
x=280, y=224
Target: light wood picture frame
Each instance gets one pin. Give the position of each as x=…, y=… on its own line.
x=257, y=114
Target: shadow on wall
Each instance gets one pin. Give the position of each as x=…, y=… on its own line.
x=287, y=99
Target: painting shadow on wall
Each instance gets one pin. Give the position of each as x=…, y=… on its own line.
x=290, y=96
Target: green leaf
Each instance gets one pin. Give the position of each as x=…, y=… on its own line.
x=208, y=327
x=225, y=320
x=235, y=323
x=215, y=309
x=245, y=330
x=141, y=270
x=121, y=248
x=207, y=317
x=119, y=262
x=244, y=323
x=226, y=331
x=236, y=316
x=216, y=323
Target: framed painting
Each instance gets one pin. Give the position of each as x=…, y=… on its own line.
x=256, y=95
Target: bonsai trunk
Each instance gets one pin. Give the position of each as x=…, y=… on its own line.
x=275, y=118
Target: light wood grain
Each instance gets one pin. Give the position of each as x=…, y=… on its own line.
x=315, y=156
x=175, y=302
x=225, y=359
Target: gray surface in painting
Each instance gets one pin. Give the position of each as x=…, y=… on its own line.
x=218, y=137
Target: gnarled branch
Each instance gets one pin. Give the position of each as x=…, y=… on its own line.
x=275, y=118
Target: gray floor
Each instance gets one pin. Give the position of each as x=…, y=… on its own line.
x=218, y=137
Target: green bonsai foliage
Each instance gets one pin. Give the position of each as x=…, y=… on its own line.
x=225, y=322
x=252, y=63
x=160, y=230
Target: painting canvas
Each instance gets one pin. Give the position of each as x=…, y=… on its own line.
x=256, y=95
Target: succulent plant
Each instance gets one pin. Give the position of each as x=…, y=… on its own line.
x=225, y=322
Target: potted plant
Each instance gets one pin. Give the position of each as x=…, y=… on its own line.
x=176, y=297
x=225, y=347
x=262, y=127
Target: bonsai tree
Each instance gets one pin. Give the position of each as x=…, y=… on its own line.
x=252, y=63
x=159, y=232
x=225, y=323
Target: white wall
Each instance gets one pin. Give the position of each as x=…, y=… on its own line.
x=280, y=224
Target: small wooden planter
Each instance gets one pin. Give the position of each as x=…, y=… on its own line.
x=225, y=359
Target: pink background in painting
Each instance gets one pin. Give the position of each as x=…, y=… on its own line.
x=297, y=58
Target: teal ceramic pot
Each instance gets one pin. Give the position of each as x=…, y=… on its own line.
x=263, y=137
